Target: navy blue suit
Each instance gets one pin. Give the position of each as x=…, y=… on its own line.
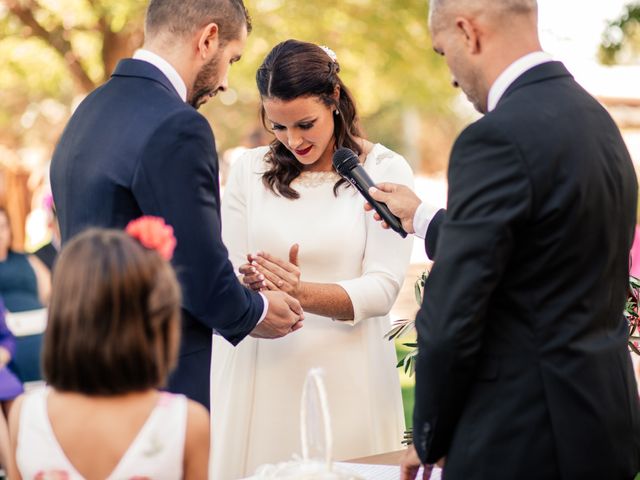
x=133, y=148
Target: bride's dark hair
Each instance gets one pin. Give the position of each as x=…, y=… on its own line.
x=295, y=69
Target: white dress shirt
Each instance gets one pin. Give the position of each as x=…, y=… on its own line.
x=512, y=73
x=178, y=83
x=425, y=212
x=166, y=68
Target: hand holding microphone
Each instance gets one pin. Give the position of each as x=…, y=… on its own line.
x=346, y=163
x=400, y=199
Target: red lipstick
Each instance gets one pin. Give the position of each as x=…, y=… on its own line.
x=304, y=151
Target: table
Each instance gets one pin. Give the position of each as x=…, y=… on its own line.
x=389, y=458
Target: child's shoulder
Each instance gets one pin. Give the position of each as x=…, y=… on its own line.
x=197, y=416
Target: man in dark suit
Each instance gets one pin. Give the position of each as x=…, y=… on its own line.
x=523, y=369
x=135, y=147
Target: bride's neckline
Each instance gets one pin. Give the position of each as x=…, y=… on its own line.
x=365, y=157
x=317, y=178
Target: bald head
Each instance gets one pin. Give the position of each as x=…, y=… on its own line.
x=440, y=9
x=481, y=38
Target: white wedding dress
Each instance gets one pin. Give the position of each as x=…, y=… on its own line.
x=256, y=386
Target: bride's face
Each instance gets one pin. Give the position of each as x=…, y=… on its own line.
x=305, y=126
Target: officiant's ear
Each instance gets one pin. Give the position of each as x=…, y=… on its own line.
x=470, y=34
x=208, y=41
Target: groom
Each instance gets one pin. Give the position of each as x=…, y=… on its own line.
x=136, y=146
x=523, y=369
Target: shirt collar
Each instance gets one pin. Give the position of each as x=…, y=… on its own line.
x=511, y=74
x=166, y=68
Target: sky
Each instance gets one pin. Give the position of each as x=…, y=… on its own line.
x=571, y=29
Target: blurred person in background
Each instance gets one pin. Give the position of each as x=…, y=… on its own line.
x=25, y=285
x=10, y=385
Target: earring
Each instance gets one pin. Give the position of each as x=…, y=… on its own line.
x=336, y=112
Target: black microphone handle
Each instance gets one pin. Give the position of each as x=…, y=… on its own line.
x=362, y=181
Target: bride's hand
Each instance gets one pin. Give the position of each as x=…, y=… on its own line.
x=251, y=277
x=279, y=274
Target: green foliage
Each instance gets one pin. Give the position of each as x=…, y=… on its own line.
x=62, y=49
x=402, y=327
x=621, y=39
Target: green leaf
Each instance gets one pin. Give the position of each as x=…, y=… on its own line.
x=418, y=293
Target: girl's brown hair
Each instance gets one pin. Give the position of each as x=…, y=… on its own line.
x=113, y=319
x=295, y=69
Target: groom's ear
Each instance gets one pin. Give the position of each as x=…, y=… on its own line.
x=208, y=41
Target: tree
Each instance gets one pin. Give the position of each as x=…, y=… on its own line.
x=58, y=51
x=621, y=39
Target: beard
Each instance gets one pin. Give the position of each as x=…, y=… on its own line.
x=468, y=82
x=205, y=86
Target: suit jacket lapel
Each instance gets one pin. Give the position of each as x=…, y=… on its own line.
x=539, y=73
x=130, y=67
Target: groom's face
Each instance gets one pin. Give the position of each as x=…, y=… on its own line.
x=213, y=76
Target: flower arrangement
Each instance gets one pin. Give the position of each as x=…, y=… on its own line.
x=154, y=234
x=633, y=315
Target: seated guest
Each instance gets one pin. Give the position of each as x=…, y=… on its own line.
x=111, y=340
x=25, y=284
x=10, y=386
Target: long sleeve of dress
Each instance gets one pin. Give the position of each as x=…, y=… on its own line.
x=235, y=210
x=386, y=255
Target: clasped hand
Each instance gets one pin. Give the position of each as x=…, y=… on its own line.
x=268, y=272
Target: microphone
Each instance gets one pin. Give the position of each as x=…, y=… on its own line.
x=346, y=163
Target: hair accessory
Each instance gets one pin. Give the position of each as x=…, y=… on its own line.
x=154, y=234
x=332, y=55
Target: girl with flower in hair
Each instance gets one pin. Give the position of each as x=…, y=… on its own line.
x=111, y=340
x=292, y=224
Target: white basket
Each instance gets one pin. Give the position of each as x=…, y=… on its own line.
x=316, y=438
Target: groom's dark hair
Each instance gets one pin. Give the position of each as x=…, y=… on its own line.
x=184, y=17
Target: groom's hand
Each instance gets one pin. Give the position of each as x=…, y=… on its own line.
x=400, y=199
x=284, y=316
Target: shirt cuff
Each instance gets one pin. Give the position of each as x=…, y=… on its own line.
x=264, y=309
x=422, y=218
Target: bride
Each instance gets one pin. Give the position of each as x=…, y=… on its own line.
x=292, y=224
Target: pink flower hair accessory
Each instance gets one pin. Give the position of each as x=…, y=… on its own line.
x=154, y=234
